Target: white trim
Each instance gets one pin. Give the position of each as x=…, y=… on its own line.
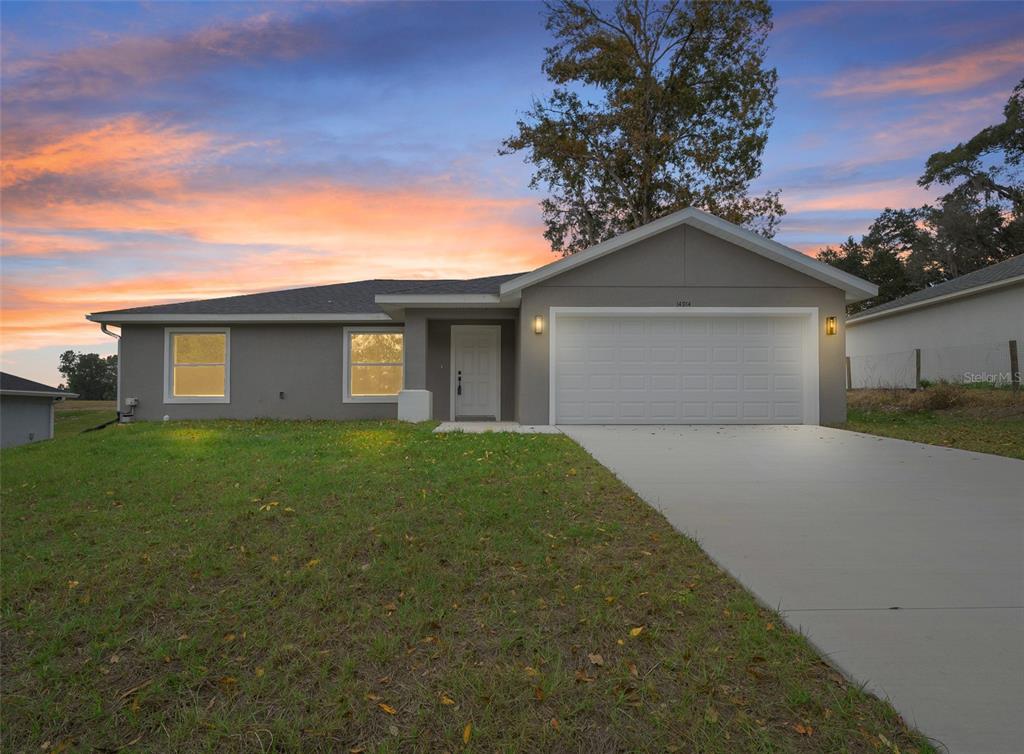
x=169, y=396
x=346, y=346
x=39, y=393
x=114, y=318
x=867, y=316
x=451, y=368
x=856, y=288
x=812, y=398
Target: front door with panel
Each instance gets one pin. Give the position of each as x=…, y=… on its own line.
x=476, y=369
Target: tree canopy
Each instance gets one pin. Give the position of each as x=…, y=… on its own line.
x=92, y=376
x=656, y=107
x=979, y=222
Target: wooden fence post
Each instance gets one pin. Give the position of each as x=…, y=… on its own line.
x=917, y=368
x=849, y=375
x=1014, y=367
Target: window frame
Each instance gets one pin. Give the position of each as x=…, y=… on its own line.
x=169, y=396
x=346, y=364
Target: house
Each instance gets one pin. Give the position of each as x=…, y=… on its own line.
x=959, y=331
x=26, y=410
x=688, y=319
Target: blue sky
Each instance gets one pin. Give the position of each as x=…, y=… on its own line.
x=164, y=151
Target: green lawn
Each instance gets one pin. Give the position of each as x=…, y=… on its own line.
x=970, y=417
x=372, y=586
x=1002, y=436
x=73, y=416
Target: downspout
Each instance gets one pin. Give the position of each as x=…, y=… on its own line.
x=127, y=416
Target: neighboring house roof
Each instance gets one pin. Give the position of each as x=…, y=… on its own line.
x=1007, y=272
x=11, y=384
x=856, y=288
x=368, y=300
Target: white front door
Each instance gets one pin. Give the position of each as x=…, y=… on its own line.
x=476, y=366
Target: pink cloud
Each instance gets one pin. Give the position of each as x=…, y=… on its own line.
x=128, y=62
x=952, y=74
x=872, y=196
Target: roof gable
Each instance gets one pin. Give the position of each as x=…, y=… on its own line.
x=856, y=289
x=12, y=384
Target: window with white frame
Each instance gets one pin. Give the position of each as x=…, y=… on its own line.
x=374, y=364
x=197, y=365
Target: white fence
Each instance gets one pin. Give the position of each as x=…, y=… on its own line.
x=977, y=362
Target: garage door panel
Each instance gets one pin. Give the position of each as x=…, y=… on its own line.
x=637, y=370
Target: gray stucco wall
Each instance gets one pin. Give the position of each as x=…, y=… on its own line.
x=962, y=340
x=303, y=361
x=682, y=264
x=24, y=419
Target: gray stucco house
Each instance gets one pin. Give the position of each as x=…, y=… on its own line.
x=26, y=410
x=688, y=319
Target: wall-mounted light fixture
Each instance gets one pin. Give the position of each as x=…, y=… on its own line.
x=831, y=326
x=538, y=325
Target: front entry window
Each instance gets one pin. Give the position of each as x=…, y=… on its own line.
x=374, y=364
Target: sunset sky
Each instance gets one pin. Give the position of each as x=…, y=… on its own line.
x=168, y=151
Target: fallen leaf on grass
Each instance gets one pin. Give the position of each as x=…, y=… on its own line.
x=388, y=708
x=632, y=669
x=72, y=584
x=596, y=659
x=803, y=730
x=634, y=632
x=447, y=700
x=538, y=693
x=467, y=733
x=531, y=671
x=554, y=723
x=313, y=563
x=582, y=677
x=260, y=672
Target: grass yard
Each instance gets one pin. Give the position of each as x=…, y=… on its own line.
x=72, y=416
x=374, y=587
x=987, y=420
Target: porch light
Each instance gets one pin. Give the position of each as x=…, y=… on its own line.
x=831, y=327
x=538, y=325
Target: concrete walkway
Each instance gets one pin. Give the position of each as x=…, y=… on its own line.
x=903, y=562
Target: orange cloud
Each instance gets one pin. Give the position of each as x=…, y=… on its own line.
x=316, y=234
x=26, y=244
x=131, y=150
x=960, y=72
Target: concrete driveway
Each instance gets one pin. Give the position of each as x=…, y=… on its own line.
x=903, y=562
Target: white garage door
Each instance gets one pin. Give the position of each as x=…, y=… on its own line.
x=680, y=370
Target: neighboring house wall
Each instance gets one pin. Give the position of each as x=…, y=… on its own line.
x=682, y=264
x=303, y=361
x=25, y=419
x=962, y=340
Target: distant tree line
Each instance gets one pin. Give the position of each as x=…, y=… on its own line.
x=979, y=222
x=92, y=376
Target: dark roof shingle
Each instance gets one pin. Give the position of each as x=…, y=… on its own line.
x=338, y=298
x=14, y=382
x=1009, y=268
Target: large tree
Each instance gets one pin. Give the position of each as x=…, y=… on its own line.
x=92, y=376
x=656, y=106
x=979, y=222
x=989, y=164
